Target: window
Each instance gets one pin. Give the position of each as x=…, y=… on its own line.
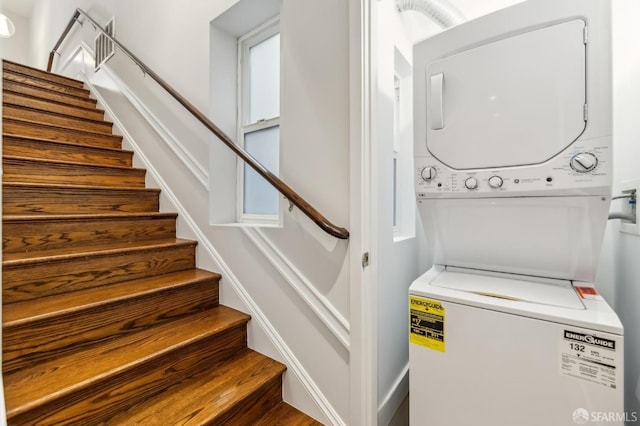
x=403, y=195
x=259, y=121
x=396, y=149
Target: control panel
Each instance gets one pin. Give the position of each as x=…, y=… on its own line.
x=580, y=168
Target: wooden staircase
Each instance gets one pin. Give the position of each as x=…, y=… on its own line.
x=106, y=319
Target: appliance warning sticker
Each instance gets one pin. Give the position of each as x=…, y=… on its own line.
x=588, y=293
x=426, y=326
x=584, y=355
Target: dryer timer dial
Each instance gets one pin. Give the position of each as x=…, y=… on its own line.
x=428, y=173
x=583, y=162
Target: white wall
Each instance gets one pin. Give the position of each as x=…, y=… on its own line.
x=626, y=247
x=395, y=260
x=315, y=138
x=16, y=48
x=295, y=279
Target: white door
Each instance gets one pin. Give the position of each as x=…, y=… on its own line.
x=517, y=101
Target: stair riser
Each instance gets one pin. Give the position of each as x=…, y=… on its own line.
x=38, y=341
x=61, y=134
x=252, y=408
x=42, y=105
x=284, y=414
x=103, y=400
x=20, y=113
x=21, y=236
x=239, y=392
x=63, y=152
x=43, y=75
x=37, y=92
x=35, y=200
x=44, y=84
x=29, y=281
x=17, y=170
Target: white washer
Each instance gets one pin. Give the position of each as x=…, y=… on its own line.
x=513, y=172
x=494, y=350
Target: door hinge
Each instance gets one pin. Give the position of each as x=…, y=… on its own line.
x=585, y=112
x=585, y=35
x=365, y=260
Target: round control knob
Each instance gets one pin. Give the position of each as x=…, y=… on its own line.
x=471, y=183
x=495, y=181
x=428, y=173
x=583, y=162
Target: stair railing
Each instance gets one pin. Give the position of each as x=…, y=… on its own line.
x=274, y=180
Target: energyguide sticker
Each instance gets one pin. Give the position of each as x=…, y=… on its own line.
x=587, y=356
x=426, y=326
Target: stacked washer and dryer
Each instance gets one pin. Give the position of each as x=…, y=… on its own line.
x=513, y=174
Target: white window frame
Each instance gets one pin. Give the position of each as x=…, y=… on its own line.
x=254, y=37
x=404, y=197
x=396, y=153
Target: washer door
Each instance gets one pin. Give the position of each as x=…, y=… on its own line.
x=516, y=101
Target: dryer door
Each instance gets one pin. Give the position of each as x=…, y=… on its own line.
x=516, y=101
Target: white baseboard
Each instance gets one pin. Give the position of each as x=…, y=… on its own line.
x=393, y=399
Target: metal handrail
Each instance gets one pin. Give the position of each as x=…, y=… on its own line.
x=274, y=180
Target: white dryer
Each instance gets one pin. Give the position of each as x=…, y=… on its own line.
x=513, y=173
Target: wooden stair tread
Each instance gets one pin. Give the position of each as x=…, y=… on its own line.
x=44, y=161
x=24, y=233
x=70, y=164
x=61, y=128
x=208, y=396
x=46, y=328
x=40, y=170
x=35, y=147
x=83, y=217
x=35, y=102
x=20, y=78
x=284, y=414
x=52, y=186
x=38, y=73
x=18, y=259
x=49, y=94
x=31, y=232
x=15, y=314
x=72, y=144
x=46, y=89
x=28, y=279
x=31, y=387
x=43, y=198
x=59, y=118
x=50, y=108
x=26, y=128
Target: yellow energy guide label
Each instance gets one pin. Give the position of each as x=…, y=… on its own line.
x=426, y=326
